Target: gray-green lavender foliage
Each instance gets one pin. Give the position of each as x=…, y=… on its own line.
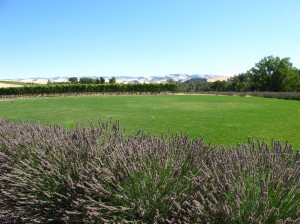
x=96, y=174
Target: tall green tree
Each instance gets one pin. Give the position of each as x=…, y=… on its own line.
x=219, y=86
x=240, y=83
x=112, y=80
x=102, y=80
x=292, y=82
x=73, y=80
x=87, y=81
x=272, y=74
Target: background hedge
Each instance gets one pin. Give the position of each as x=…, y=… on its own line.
x=87, y=88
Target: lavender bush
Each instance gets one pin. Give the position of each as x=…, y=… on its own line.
x=96, y=174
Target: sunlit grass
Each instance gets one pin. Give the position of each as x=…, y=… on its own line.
x=219, y=119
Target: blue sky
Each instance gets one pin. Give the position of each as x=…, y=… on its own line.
x=49, y=38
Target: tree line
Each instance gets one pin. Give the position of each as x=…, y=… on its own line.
x=86, y=80
x=101, y=80
x=270, y=74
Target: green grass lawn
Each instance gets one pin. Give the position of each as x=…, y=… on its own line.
x=219, y=119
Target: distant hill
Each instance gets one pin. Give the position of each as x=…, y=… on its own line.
x=128, y=79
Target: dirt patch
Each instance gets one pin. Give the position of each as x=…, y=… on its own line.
x=218, y=79
x=4, y=85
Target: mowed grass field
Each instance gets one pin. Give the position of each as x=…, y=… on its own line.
x=221, y=120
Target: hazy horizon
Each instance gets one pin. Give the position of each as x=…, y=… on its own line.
x=208, y=76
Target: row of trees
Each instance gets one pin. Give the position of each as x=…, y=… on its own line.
x=101, y=80
x=193, y=85
x=270, y=74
